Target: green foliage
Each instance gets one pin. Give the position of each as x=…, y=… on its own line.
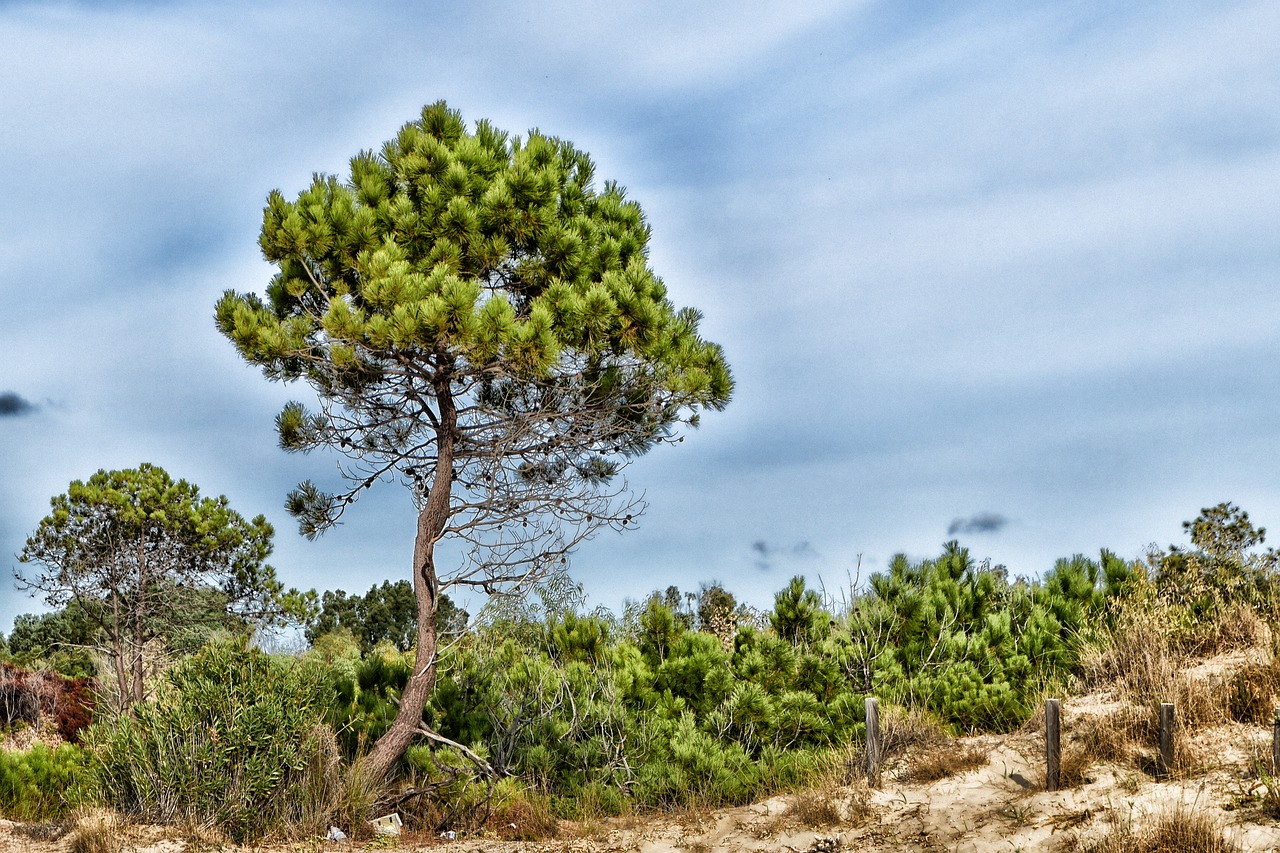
x=1223, y=569
x=480, y=320
x=233, y=739
x=798, y=616
x=42, y=783
x=144, y=558
x=556, y=721
x=600, y=715
x=385, y=614
x=1224, y=531
x=717, y=611
x=58, y=640
x=957, y=638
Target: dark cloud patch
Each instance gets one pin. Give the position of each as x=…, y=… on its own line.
x=767, y=554
x=12, y=406
x=983, y=522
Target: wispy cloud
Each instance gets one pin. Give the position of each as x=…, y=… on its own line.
x=767, y=554
x=12, y=405
x=966, y=231
x=983, y=522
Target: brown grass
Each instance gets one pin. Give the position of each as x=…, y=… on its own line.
x=1183, y=830
x=817, y=807
x=902, y=729
x=830, y=805
x=1073, y=771
x=97, y=832
x=1251, y=693
x=1112, y=737
x=941, y=762
x=524, y=818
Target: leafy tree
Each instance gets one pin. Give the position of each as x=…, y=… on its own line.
x=480, y=322
x=137, y=552
x=1224, y=531
x=62, y=640
x=797, y=615
x=1224, y=566
x=40, y=633
x=385, y=614
x=717, y=612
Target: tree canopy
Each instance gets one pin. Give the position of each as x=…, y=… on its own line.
x=134, y=553
x=385, y=614
x=479, y=321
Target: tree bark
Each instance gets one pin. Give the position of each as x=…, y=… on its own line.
x=139, y=641
x=432, y=519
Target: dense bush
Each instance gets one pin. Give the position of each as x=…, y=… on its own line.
x=42, y=783
x=585, y=709
x=234, y=739
x=956, y=637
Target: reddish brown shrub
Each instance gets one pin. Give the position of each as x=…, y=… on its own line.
x=27, y=697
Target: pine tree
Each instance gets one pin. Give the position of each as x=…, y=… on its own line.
x=480, y=322
x=139, y=553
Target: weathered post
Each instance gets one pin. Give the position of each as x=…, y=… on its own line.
x=1052, y=744
x=1275, y=745
x=1166, y=738
x=873, y=742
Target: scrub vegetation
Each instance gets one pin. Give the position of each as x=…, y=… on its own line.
x=552, y=710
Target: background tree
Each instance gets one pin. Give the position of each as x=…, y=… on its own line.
x=717, y=612
x=1223, y=566
x=479, y=321
x=138, y=553
x=61, y=640
x=385, y=614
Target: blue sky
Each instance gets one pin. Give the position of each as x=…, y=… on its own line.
x=989, y=271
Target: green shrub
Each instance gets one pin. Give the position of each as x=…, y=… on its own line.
x=233, y=740
x=460, y=798
x=43, y=783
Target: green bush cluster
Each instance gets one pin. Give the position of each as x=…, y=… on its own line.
x=651, y=712
x=589, y=712
x=234, y=739
x=958, y=638
x=43, y=783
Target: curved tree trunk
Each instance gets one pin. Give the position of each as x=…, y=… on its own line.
x=432, y=519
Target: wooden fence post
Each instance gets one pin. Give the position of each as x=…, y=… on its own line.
x=1275, y=746
x=873, y=742
x=1166, y=738
x=1052, y=744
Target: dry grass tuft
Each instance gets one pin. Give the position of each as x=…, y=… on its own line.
x=1240, y=627
x=1073, y=771
x=355, y=800
x=902, y=729
x=1183, y=830
x=1251, y=693
x=817, y=807
x=831, y=805
x=941, y=762
x=1113, y=737
x=527, y=817
x=97, y=832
